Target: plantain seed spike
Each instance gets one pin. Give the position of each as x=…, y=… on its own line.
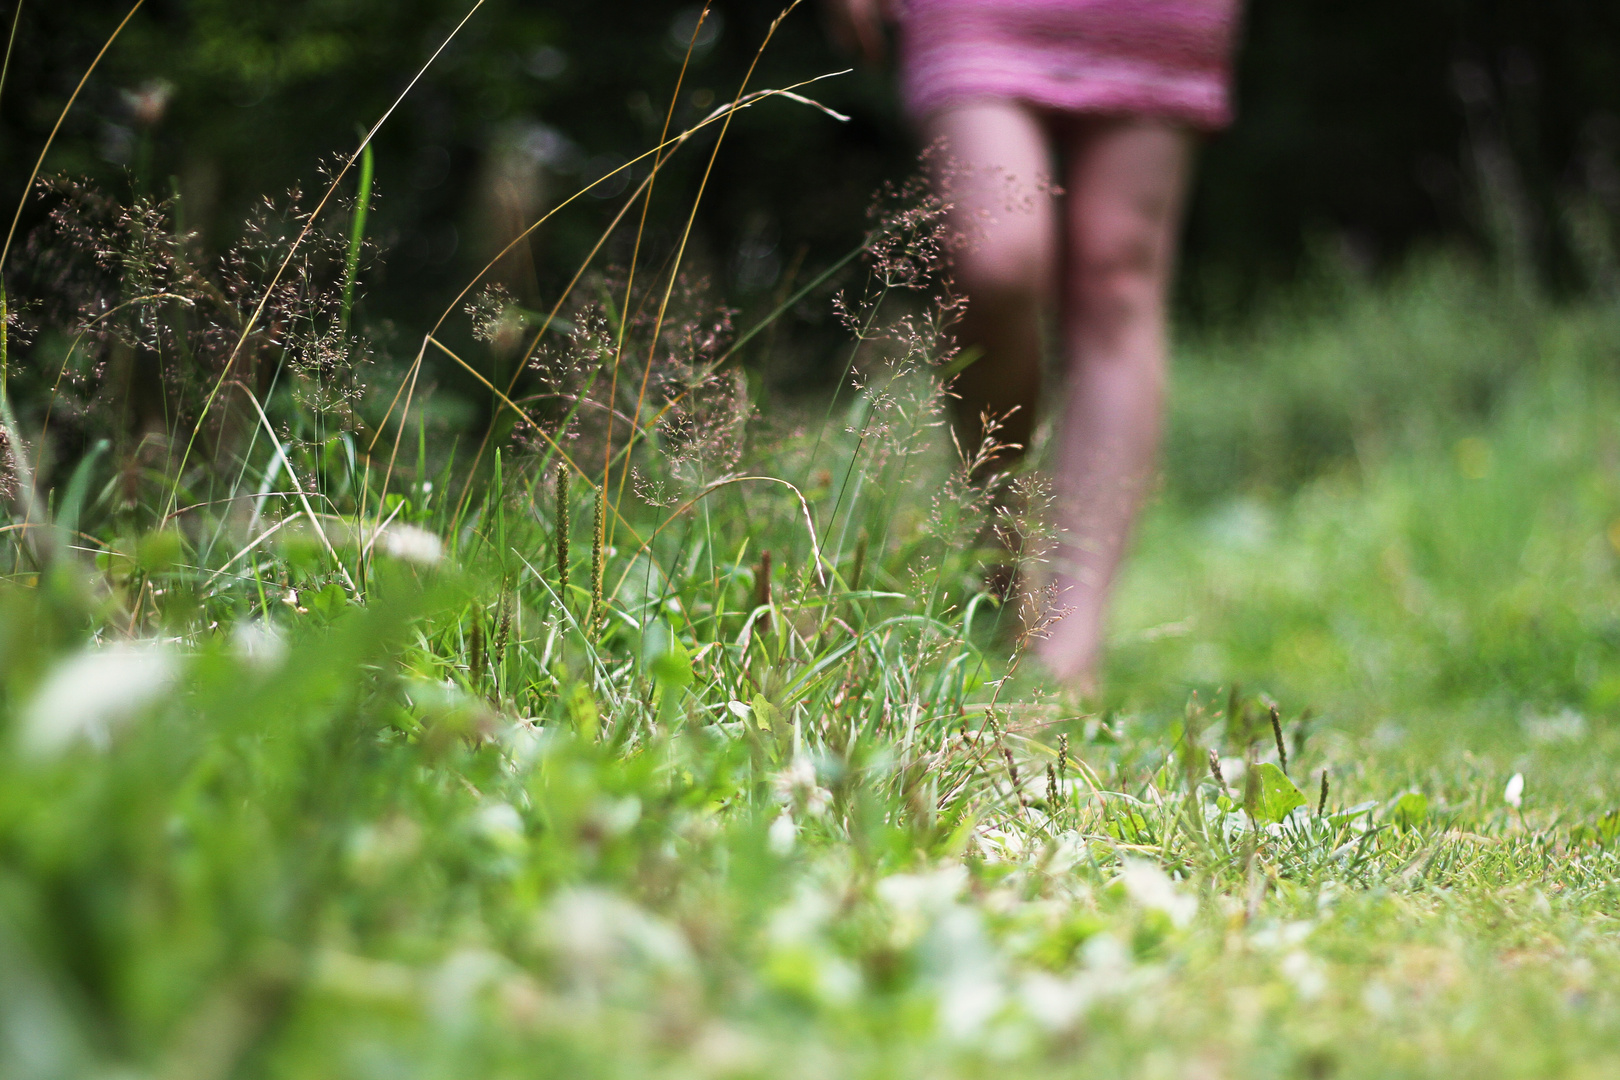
x=562, y=527
x=598, y=538
x=762, y=590
x=1276, y=733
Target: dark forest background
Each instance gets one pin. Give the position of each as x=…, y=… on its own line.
x=1366, y=129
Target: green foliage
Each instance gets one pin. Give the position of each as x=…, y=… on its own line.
x=1276, y=796
x=1409, y=809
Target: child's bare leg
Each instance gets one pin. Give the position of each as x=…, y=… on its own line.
x=1124, y=181
x=998, y=153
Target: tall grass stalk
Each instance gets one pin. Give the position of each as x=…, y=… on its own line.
x=357, y=233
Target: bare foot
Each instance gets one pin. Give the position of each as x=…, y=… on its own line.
x=1069, y=642
x=1072, y=674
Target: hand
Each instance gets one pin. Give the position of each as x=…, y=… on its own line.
x=857, y=26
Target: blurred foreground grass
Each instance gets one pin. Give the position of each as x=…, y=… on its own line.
x=727, y=821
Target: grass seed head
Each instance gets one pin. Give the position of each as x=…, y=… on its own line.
x=475, y=647
x=560, y=528
x=598, y=539
x=503, y=628
x=762, y=590
x=1277, y=734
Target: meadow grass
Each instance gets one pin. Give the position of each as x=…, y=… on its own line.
x=478, y=822
x=669, y=729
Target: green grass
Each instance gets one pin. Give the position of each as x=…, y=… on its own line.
x=342, y=737
x=449, y=828
x=1460, y=578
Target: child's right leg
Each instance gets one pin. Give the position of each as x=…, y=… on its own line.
x=999, y=156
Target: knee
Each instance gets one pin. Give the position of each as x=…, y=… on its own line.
x=1004, y=272
x=1122, y=266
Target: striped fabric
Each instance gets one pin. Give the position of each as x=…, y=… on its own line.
x=1169, y=58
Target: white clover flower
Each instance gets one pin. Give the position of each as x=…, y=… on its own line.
x=1054, y=1003
x=1105, y=955
x=1513, y=794
x=723, y=1050
x=259, y=644
x=967, y=968
x=411, y=544
x=454, y=989
x=374, y=849
x=597, y=933
x=1377, y=999
x=966, y=1005
x=501, y=825
x=931, y=891
x=615, y=817
x=916, y=900
x=90, y=694
x=1566, y=725
x=1002, y=845
x=1280, y=936
x=1067, y=852
x=798, y=775
x=796, y=786
x=1305, y=972
x=1151, y=888
x=783, y=832
x=524, y=742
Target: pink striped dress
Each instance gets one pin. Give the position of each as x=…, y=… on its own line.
x=1166, y=58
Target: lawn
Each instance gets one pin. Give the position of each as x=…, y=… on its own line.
x=549, y=695
x=749, y=779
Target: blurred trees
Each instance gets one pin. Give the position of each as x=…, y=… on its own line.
x=1378, y=124
x=1368, y=127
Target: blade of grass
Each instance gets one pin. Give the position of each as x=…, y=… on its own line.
x=357, y=235
x=11, y=40
x=298, y=486
x=716, y=486
x=643, y=194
